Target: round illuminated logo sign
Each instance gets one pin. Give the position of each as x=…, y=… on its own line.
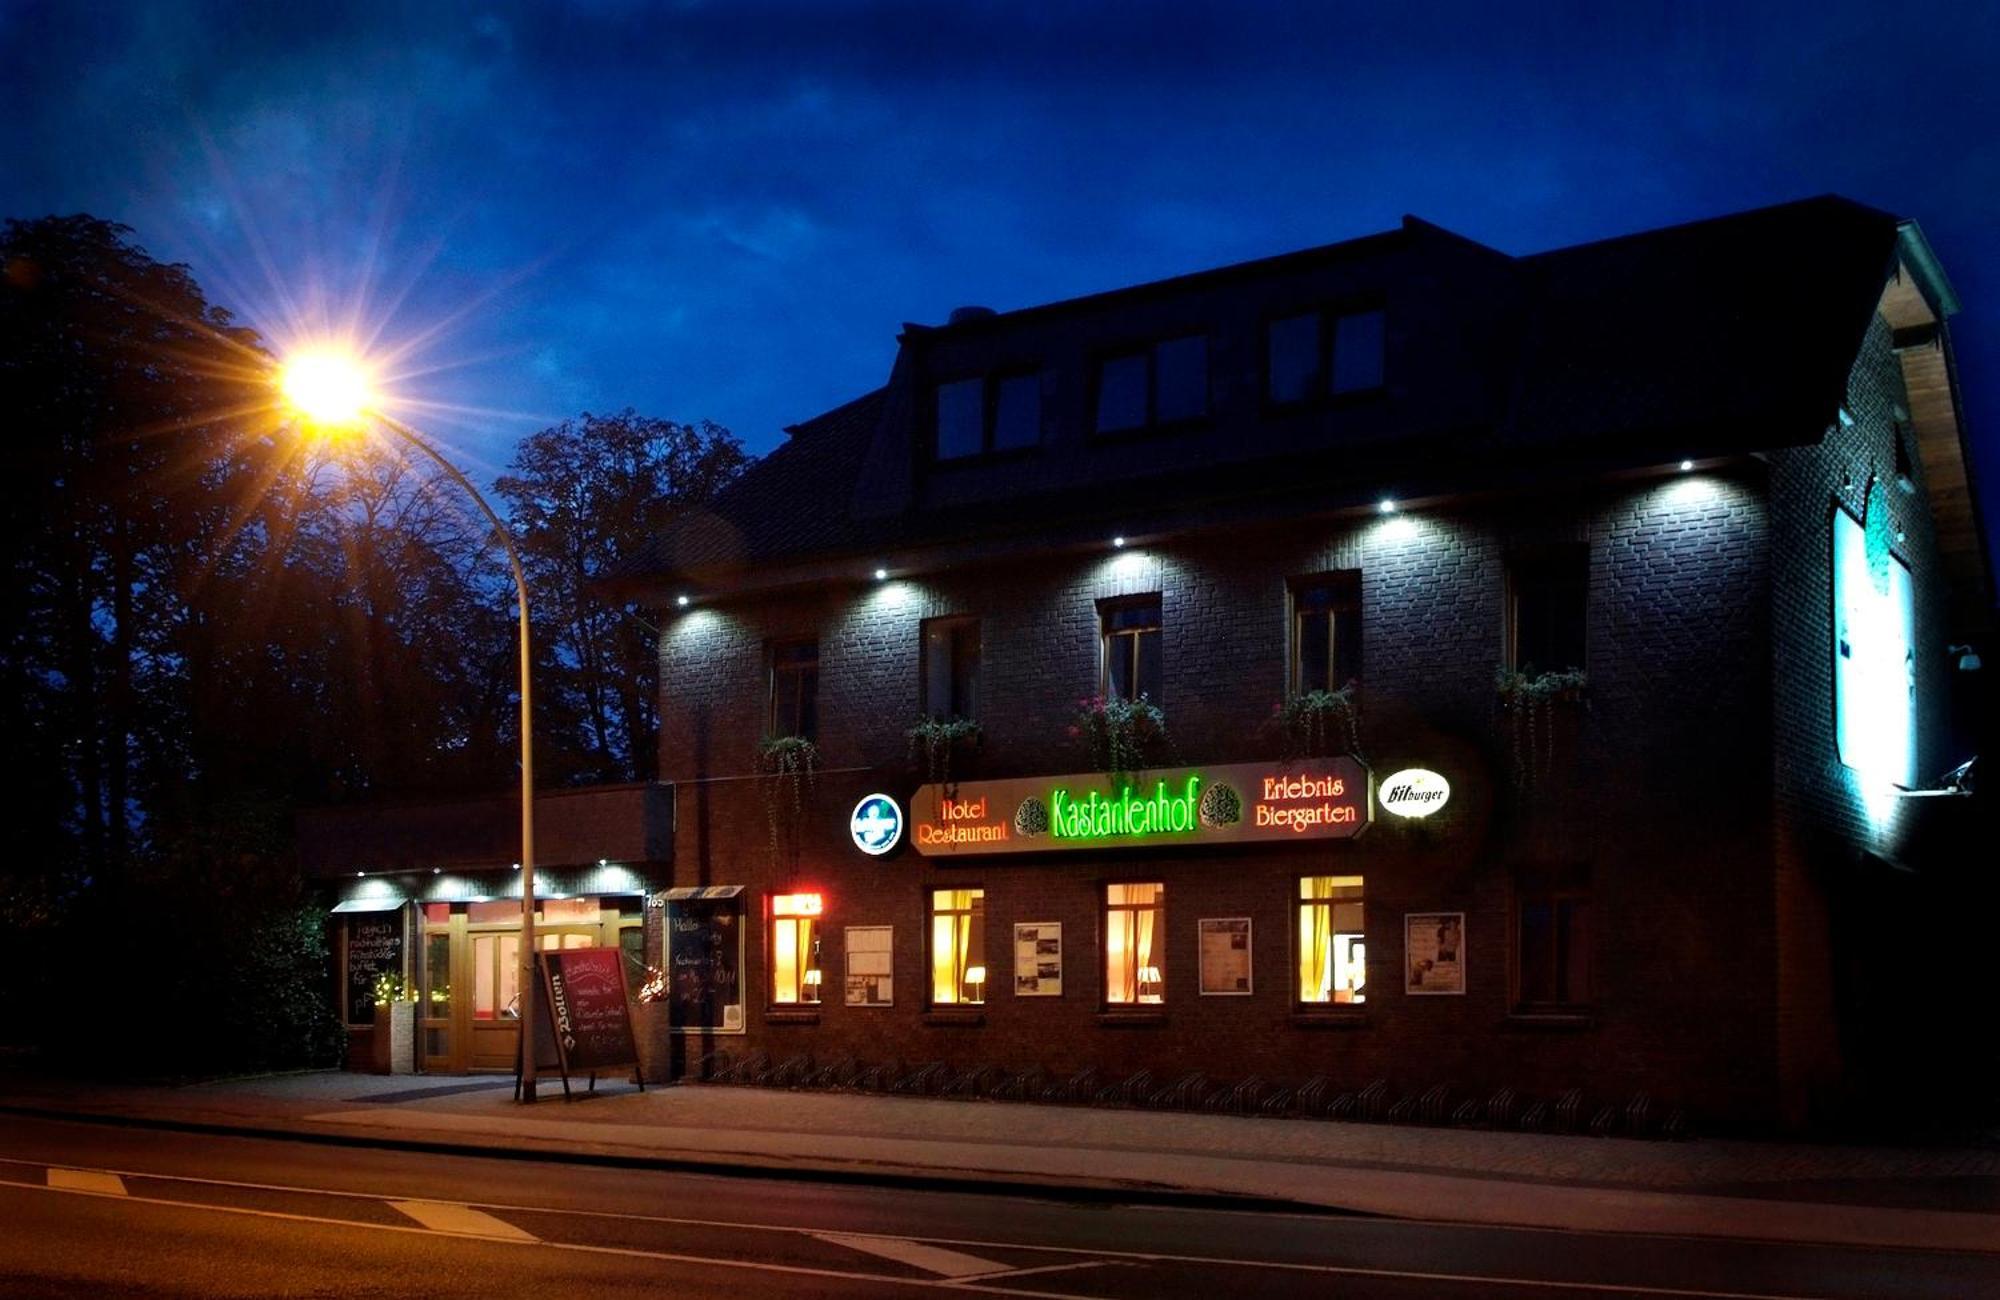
x=877, y=824
x=1413, y=792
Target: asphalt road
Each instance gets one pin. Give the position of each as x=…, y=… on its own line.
x=90, y=1209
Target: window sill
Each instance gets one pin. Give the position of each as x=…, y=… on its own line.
x=1132, y=1019
x=955, y=1018
x=1552, y=1021
x=1330, y=1018
x=791, y=1015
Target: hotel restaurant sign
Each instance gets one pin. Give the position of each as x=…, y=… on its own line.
x=1235, y=803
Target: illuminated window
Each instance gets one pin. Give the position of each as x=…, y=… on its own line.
x=1547, y=598
x=794, y=689
x=1164, y=384
x=1132, y=663
x=1552, y=939
x=958, y=946
x=1326, y=632
x=795, y=968
x=950, y=667
x=496, y=976
x=1135, y=947
x=993, y=413
x=1333, y=953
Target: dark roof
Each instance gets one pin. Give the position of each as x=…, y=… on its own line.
x=1750, y=320
x=1719, y=337
x=791, y=502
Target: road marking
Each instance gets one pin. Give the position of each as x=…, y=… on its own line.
x=1013, y=1273
x=967, y=1284
x=441, y=1216
x=94, y=1181
x=931, y=1259
x=623, y=1252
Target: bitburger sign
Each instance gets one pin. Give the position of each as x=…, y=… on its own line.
x=1233, y=803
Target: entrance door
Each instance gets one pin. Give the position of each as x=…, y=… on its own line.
x=495, y=1026
x=470, y=980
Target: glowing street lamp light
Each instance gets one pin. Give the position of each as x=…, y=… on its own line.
x=328, y=388
x=330, y=392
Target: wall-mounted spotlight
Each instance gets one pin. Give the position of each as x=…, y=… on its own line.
x=1118, y=541
x=881, y=575
x=682, y=601
x=1386, y=505
x=1686, y=465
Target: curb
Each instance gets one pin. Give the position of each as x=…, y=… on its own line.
x=902, y=1178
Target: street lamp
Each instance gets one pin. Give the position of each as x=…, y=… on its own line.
x=330, y=392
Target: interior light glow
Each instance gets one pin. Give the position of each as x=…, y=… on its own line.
x=796, y=905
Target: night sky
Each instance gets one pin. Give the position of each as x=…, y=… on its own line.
x=727, y=210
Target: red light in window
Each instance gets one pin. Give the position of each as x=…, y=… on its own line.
x=796, y=905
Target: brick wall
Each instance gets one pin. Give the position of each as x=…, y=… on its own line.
x=1835, y=906
x=1665, y=796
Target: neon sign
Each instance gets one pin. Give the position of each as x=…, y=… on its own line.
x=1096, y=817
x=1225, y=804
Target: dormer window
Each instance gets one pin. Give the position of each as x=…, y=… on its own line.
x=1315, y=355
x=1166, y=383
x=989, y=413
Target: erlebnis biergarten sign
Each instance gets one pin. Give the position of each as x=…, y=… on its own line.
x=1233, y=803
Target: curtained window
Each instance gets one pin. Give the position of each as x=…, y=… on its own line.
x=795, y=970
x=958, y=946
x=1333, y=957
x=1135, y=944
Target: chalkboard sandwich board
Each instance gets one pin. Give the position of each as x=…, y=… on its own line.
x=586, y=1024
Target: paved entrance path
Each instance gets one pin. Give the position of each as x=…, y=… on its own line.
x=1936, y=1197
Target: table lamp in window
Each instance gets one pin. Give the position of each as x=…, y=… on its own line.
x=811, y=992
x=976, y=977
x=1150, y=984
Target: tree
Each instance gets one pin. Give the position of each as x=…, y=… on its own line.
x=584, y=498
x=207, y=622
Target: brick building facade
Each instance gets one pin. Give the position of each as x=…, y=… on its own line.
x=1632, y=454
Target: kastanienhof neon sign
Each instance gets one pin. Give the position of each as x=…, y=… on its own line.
x=1234, y=803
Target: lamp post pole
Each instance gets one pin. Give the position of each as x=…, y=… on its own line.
x=526, y=975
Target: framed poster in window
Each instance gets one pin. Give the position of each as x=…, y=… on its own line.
x=1038, y=959
x=1433, y=952
x=1225, y=956
x=870, y=981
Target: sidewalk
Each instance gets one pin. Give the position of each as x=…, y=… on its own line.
x=1930, y=1198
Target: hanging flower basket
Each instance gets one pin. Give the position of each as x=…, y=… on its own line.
x=1321, y=724
x=1122, y=735
x=936, y=742
x=788, y=766
x=1535, y=705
